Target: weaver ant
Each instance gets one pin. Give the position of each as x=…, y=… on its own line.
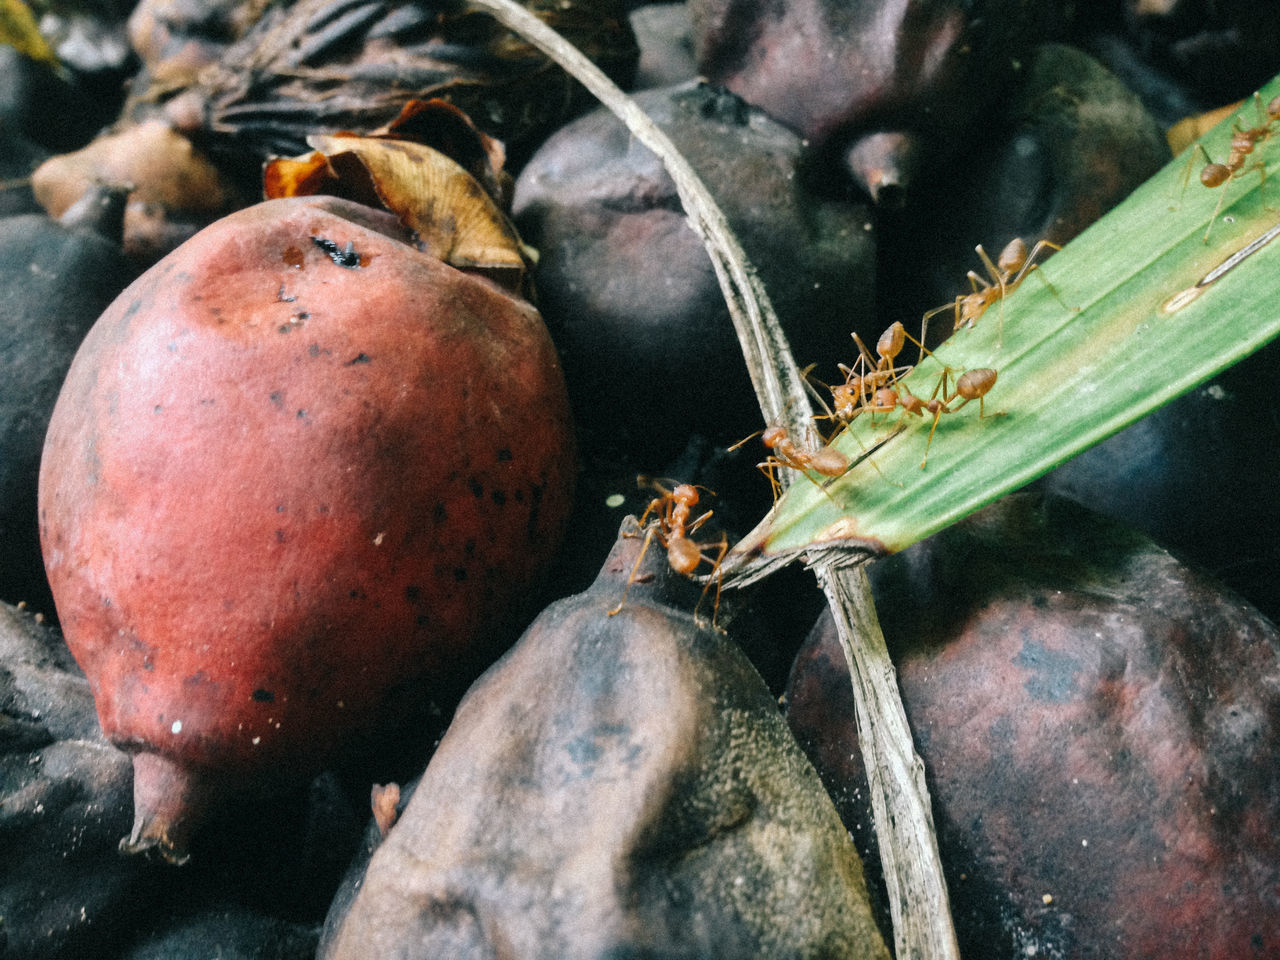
x=869, y=375
x=785, y=452
x=672, y=527
x=1005, y=276
x=971, y=385
x=1243, y=142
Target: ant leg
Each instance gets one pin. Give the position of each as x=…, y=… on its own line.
x=930, y=314
x=767, y=468
x=1186, y=171
x=1213, y=217
x=938, y=411
x=692, y=528
x=648, y=539
x=1031, y=267
x=719, y=578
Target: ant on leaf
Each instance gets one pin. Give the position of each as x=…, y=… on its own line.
x=1004, y=276
x=1244, y=140
x=973, y=384
x=785, y=452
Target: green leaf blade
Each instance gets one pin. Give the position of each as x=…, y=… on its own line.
x=1091, y=341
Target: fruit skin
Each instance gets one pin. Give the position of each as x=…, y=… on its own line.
x=283, y=474
x=1098, y=723
x=617, y=785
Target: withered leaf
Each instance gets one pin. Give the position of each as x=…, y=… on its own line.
x=452, y=215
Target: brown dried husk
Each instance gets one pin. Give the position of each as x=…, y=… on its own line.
x=434, y=170
x=323, y=66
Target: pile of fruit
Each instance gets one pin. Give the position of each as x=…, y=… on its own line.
x=337, y=333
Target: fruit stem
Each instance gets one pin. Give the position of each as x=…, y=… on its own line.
x=169, y=802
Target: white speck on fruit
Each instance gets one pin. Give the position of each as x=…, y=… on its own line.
x=377, y=541
x=256, y=741
x=177, y=726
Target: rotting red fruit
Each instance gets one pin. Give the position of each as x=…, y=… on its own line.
x=293, y=464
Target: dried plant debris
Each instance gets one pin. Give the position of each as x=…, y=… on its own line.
x=329, y=65
x=446, y=205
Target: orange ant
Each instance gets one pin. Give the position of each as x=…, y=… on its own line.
x=868, y=376
x=671, y=526
x=1006, y=275
x=971, y=385
x=785, y=452
x=1243, y=142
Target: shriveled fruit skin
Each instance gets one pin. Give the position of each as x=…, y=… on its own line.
x=296, y=462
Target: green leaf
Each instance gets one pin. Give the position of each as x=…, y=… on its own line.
x=18, y=29
x=1125, y=318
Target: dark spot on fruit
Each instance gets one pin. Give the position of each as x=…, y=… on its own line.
x=358, y=358
x=342, y=257
x=498, y=497
x=504, y=454
x=439, y=514
x=469, y=547
x=157, y=408
x=354, y=594
x=279, y=536
x=519, y=495
x=302, y=415
x=313, y=350
x=284, y=328
x=459, y=573
x=198, y=679
x=277, y=398
x=172, y=347
x=281, y=295
x=279, y=508
x=477, y=490
x=293, y=257
x=412, y=593
x=1054, y=673
x=263, y=696
x=421, y=620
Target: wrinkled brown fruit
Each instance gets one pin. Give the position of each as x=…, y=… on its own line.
x=925, y=73
x=629, y=292
x=615, y=786
x=1101, y=729
x=64, y=800
x=176, y=189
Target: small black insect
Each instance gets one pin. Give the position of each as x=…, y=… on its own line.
x=344, y=258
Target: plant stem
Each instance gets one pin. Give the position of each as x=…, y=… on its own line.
x=900, y=799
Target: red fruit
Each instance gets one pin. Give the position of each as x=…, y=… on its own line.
x=295, y=463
